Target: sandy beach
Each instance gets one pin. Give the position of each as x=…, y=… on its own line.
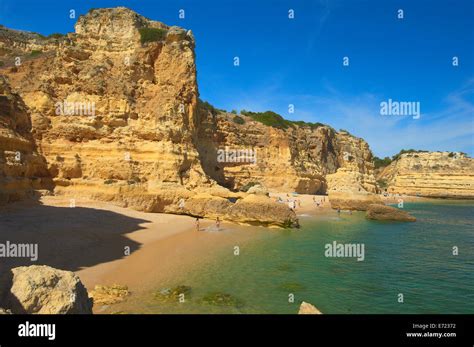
x=303, y=203
x=105, y=244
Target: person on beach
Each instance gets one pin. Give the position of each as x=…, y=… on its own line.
x=338, y=211
x=218, y=223
x=197, y=224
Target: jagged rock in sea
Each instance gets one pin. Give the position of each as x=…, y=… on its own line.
x=115, y=116
x=43, y=290
x=430, y=174
x=382, y=212
x=307, y=308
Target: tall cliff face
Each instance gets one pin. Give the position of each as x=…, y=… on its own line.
x=22, y=169
x=430, y=174
x=115, y=116
x=108, y=105
x=299, y=158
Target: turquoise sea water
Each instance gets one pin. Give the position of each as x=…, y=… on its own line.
x=415, y=259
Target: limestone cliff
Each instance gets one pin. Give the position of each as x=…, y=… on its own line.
x=430, y=174
x=22, y=169
x=297, y=159
x=111, y=111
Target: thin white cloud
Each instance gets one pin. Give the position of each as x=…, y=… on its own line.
x=451, y=128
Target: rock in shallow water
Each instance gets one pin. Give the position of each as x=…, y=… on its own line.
x=307, y=308
x=108, y=295
x=222, y=299
x=382, y=212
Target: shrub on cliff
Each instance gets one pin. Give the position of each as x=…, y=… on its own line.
x=269, y=118
x=307, y=124
x=403, y=151
x=55, y=36
x=152, y=34
x=208, y=107
x=238, y=120
x=275, y=120
x=379, y=162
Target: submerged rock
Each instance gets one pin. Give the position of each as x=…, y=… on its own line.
x=108, y=295
x=382, y=212
x=44, y=290
x=307, y=308
x=172, y=294
x=221, y=299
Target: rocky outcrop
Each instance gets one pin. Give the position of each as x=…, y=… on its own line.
x=115, y=116
x=347, y=200
x=22, y=169
x=43, y=290
x=382, y=212
x=111, y=106
x=3, y=311
x=298, y=158
x=252, y=209
x=430, y=174
x=307, y=308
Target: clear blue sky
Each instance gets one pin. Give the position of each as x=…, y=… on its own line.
x=299, y=61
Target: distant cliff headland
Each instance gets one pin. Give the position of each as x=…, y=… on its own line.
x=112, y=112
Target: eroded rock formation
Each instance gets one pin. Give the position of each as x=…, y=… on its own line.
x=43, y=290
x=307, y=308
x=22, y=169
x=430, y=174
x=382, y=212
x=115, y=116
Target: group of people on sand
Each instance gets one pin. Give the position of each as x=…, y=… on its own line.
x=218, y=224
x=292, y=203
x=319, y=203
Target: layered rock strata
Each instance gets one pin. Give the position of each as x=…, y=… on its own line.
x=430, y=174
x=115, y=116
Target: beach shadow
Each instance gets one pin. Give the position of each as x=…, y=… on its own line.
x=68, y=238
x=7, y=299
